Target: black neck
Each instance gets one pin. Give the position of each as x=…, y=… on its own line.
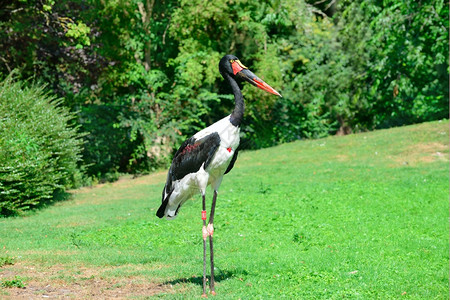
x=238, y=113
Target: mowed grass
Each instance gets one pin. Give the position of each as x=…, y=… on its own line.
x=362, y=216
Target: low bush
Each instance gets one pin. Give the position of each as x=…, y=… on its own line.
x=39, y=149
x=16, y=282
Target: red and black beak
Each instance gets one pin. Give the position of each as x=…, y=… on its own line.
x=241, y=71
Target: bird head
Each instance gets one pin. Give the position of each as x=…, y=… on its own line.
x=232, y=66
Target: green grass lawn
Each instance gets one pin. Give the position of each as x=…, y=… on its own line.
x=361, y=216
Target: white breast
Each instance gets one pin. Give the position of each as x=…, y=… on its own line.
x=229, y=141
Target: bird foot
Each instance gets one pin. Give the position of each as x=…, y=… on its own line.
x=210, y=229
x=204, y=295
x=213, y=293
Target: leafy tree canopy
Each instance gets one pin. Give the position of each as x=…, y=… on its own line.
x=142, y=75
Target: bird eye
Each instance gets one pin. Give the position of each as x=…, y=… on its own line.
x=231, y=61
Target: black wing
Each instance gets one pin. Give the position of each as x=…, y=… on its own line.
x=188, y=159
x=192, y=154
x=233, y=160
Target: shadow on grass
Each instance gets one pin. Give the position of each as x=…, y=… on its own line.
x=219, y=275
x=59, y=195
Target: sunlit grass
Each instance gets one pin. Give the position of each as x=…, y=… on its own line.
x=361, y=216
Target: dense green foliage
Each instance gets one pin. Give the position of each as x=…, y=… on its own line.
x=399, y=53
x=39, y=151
x=365, y=216
x=142, y=75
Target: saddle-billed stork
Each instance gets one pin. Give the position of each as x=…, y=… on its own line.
x=204, y=158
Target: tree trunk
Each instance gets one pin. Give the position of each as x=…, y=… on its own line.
x=344, y=129
x=146, y=13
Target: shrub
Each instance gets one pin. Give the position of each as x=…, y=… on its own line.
x=39, y=150
x=16, y=282
x=6, y=261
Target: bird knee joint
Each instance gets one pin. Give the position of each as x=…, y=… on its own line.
x=204, y=233
x=210, y=229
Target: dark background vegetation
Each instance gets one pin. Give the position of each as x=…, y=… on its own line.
x=137, y=77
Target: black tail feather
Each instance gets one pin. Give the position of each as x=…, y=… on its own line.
x=162, y=208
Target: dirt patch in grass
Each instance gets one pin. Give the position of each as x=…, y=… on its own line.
x=342, y=157
x=422, y=153
x=68, y=282
x=154, y=178
x=116, y=191
x=127, y=181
